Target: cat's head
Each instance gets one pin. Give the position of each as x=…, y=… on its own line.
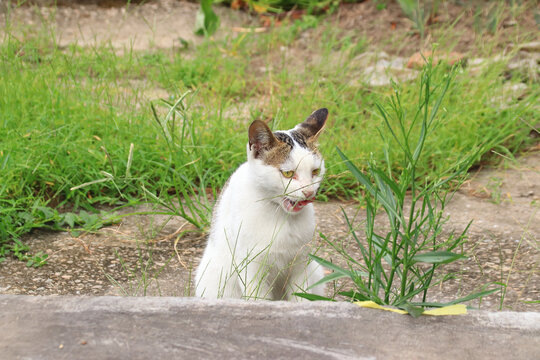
x=287, y=165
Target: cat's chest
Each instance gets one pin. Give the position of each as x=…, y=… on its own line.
x=278, y=231
x=253, y=219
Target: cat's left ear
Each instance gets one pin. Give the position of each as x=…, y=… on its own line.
x=314, y=124
x=260, y=138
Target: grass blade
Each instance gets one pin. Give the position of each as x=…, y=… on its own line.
x=313, y=297
x=330, y=277
x=437, y=257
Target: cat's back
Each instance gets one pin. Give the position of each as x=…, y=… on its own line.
x=234, y=201
x=236, y=187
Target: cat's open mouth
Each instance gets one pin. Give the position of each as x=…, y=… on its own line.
x=295, y=205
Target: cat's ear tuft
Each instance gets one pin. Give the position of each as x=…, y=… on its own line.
x=314, y=124
x=260, y=137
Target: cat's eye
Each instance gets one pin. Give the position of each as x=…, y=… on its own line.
x=288, y=173
x=316, y=172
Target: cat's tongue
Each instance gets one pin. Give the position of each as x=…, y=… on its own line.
x=300, y=205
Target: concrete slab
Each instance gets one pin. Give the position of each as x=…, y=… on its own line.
x=187, y=328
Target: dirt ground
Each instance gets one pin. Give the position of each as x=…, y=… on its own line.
x=166, y=24
x=139, y=256
x=162, y=24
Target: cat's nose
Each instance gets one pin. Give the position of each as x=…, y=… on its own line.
x=308, y=193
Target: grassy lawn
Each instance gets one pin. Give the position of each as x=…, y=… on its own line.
x=84, y=127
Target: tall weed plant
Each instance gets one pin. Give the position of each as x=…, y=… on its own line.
x=399, y=264
x=189, y=195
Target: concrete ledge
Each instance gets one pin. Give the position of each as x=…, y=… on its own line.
x=149, y=328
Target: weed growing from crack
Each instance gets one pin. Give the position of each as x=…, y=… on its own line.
x=187, y=198
x=399, y=266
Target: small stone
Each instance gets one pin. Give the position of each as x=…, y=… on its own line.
x=476, y=62
x=522, y=63
x=509, y=94
x=530, y=47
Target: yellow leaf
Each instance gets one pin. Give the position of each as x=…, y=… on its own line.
x=374, y=305
x=458, y=309
x=259, y=9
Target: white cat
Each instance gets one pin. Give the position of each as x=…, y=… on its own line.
x=264, y=219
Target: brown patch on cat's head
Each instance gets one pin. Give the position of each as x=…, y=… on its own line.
x=277, y=154
x=265, y=146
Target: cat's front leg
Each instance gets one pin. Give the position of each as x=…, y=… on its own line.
x=254, y=281
x=302, y=277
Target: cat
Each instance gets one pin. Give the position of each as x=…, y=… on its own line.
x=264, y=218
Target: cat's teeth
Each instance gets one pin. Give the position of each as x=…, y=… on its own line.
x=299, y=205
x=295, y=206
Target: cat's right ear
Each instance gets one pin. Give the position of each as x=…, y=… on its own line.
x=260, y=138
x=314, y=124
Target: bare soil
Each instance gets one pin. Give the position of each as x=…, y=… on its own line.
x=165, y=24
x=141, y=255
x=160, y=24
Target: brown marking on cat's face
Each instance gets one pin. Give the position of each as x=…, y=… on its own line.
x=277, y=155
x=313, y=145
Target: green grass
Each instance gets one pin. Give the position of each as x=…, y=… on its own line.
x=78, y=131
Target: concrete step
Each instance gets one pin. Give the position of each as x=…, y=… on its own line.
x=57, y=327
